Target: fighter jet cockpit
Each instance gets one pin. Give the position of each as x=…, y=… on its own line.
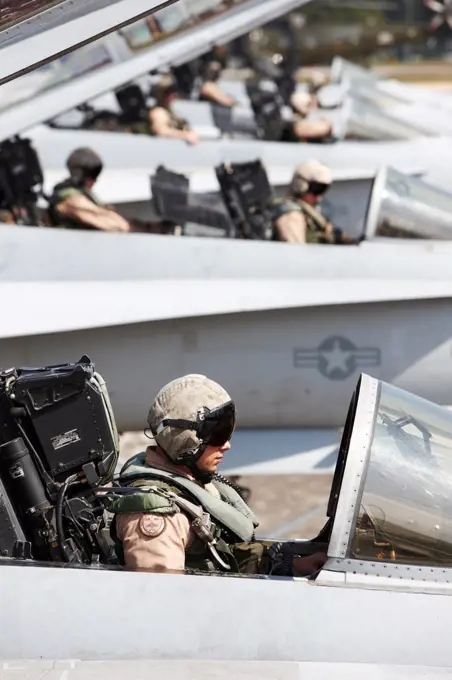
x=404, y=206
x=390, y=502
x=389, y=508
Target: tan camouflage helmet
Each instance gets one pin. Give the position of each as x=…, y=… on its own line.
x=301, y=102
x=164, y=87
x=312, y=171
x=182, y=398
x=316, y=80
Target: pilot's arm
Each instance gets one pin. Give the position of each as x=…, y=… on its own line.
x=291, y=227
x=312, y=129
x=160, y=122
x=334, y=234
x=210, y=90
x=79, y=207
x=153, y=542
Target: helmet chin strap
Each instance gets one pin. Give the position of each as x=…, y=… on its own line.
x=200, y=475
x=192, y=464
x=190, y=460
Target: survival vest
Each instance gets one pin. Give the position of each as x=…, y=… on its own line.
x=319, y=229
x=60, y=192
x=224, y=527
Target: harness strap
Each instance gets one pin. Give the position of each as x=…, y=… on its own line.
x=201, y=523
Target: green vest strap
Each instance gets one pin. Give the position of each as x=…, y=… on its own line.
x=230, y=511
x=318, y=221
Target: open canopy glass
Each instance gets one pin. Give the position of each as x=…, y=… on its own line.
x=405, y=509
x=390, y=506
x=384, y=91
x=363, y=120
x=404, y=206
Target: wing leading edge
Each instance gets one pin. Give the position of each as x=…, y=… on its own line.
x=41, y=307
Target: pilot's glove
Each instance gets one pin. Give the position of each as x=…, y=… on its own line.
x=191, y=137
x=341, y=236
x=309, y=564
x=282, y=561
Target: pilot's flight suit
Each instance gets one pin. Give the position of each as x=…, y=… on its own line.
x=318, y=228
x=173, y=511
x=60, y=193
x=163, y=538
x=143, y=127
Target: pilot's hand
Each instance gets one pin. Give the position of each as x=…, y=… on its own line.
x=304, y=566
x=347, y=239
x=120, y=227
x=191, y=137
x=329, y=230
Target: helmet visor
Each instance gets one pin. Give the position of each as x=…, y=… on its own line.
x=93, y=172
x=214, y=427
x=318, y=188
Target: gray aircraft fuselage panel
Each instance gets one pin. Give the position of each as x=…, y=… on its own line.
x=281, y=621
x=44, y=254
x=60, y=308
x=117, y=150
x=284, y=368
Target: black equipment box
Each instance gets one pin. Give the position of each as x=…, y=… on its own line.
x=173, y=202
x=246, y=192
x=132, y=102
x=21, y=176
x=65, y=413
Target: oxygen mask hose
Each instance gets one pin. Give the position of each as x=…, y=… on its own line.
x=65, y=551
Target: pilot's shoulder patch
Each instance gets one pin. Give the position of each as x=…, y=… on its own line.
x=67, y=192
x=152, y=525
x=280, y=206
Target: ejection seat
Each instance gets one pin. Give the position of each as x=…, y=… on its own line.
x=132, y=103
x=196, y=214
x=267, y=109
x=246, y=192
x=21, y=183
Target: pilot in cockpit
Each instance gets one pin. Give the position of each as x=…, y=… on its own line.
x=73, y=204
x=212, y=65
x=163, y=122
x=181, y=514
x=297, y=217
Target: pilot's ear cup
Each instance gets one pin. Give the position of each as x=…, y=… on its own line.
x=298, y=186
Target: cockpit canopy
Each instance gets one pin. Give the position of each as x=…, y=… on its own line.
x=383, y=91
x=404, y=206
x=362, y=119
x=395, y=500
x=342, y=69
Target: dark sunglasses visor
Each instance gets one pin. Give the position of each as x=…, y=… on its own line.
x=217, y=426
x=317, y=188
x=93, y=173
